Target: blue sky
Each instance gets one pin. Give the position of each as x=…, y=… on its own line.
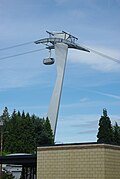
x=91, y=82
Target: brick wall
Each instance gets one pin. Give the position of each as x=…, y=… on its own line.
x=90, y=161
x=112, y=163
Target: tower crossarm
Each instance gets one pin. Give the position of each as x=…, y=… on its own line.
x=50, y=42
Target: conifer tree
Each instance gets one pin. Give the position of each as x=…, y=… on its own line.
x=46, y=136
x=23, y=133
x=116, y=134
x=105, y=133
x=5, y=116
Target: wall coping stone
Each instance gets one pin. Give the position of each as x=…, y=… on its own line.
x=78, y=146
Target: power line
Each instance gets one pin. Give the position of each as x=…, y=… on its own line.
x=20, y=54
x=17, y=45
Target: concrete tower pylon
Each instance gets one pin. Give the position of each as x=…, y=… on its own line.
x=61, y=51
x=60, y=42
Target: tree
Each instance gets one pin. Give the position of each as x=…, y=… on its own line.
x=116, y=134
x=5, y=116
x=46, y=136
x=23, y=114
x=20, y=134
x=105, y=133
x=23, y=133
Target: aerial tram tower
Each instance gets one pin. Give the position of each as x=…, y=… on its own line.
x=60, y=42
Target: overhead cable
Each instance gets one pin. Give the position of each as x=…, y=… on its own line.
x=103, y=55
x=30, y=42
x=20, y=54
x=17, y=45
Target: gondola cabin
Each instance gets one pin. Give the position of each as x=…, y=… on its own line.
x=48, y=61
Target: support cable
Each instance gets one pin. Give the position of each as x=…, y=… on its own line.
x=103, y=55
x=18, y=45
x=30, y=42
x=20, y=54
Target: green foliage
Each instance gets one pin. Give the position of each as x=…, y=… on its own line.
x=22, y=133
x=105, y=132
x=5, y=116
x=46, y=136
x=116, y=134
x=7, y=176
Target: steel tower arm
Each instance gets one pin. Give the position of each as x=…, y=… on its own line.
x=61, y=37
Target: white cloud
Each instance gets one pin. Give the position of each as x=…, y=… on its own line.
x=80, y=128
x=89, y=104
x=109, y=95
x=23, y=71
x=73, y=128
x=84, y=100
x=61, y=1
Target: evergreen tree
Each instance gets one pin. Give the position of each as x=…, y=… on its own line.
x=23, y=133
x=5, y=116
x=39, y=127
x=105, y=133
x=116, y=134
x=18, y=114
x=46, y=136
x=20, y=137
x=23, y=114
x=10, y=133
